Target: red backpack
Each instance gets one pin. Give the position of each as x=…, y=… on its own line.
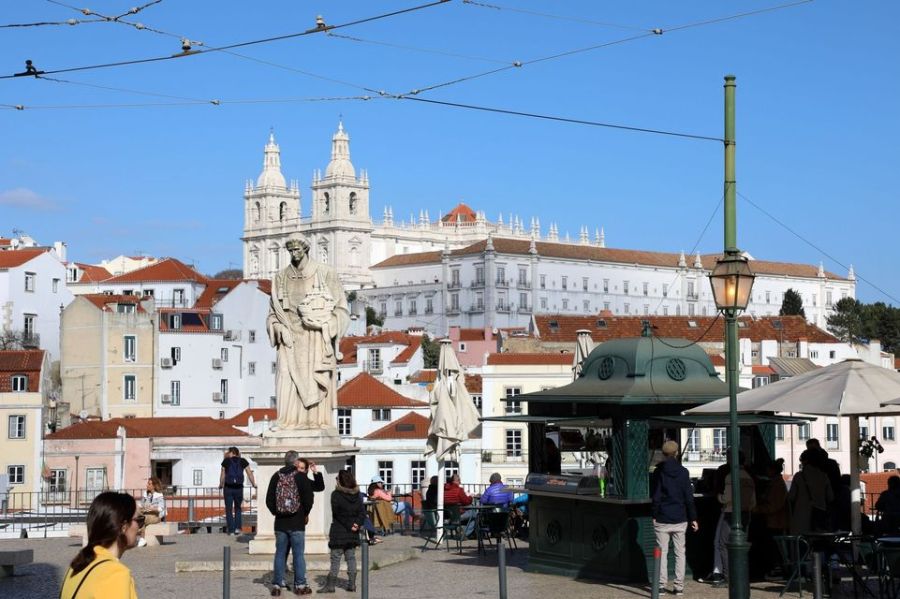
x=287, y=495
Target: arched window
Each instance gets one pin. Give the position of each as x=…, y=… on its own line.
x=282, y=211
x=326, y=203
x=323, y=253
x=354, y=256
x=353, y=201
x=257, y=212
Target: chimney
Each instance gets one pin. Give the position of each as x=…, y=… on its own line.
x=803, y=347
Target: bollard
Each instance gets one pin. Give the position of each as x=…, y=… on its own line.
x=226, y=572
x=364, y=568
x=654, y=584
x=501, y=565
x=191, y=509
x=817, y=575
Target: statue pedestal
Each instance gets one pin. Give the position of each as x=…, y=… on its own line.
x=322, y=446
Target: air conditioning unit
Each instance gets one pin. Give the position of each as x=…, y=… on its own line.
x=217, y=363
x=229, y=335
x=165, y=362
x=166, y=398
x=218, y=397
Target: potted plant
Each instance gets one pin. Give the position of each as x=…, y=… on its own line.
x=867, y=449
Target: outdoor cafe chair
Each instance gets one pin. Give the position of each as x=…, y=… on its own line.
x=888, y=569
x=453, y=529
x=795, y=555
x=496, y=525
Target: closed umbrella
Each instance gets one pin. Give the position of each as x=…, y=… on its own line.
x=850, y=388
x=583, y=346
x=453, y=415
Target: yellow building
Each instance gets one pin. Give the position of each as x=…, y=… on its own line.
x=24, y=388
x=107, y=346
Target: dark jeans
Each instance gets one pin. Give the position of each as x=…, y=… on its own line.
x=296, y=541
x=233, y=499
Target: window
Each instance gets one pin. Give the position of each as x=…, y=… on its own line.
x=223, y=389
x=803, y=431
x=19, y=383
x=451, y=467
x=514, y=445
x=565, y=304
x=813, y=353
x=198, y=477
x=398, y=308
x=479, y=275
x=454, y=302
x=523, y=276
x=513, y=406
x=606, y=306
x=413, y=310
x=887, y=429
x=344, y=422
x=605, y=285
x=174, y=321
x=375, y=360
x=57, y=484
x=863, y=428
x=832, y=433
x=625, y=287
x=665, y=310
x=693, y=441
x=224, y=354
x=178, y=297
x=251, y=336
x=543, y=281
x=565, y=282
x=176, y=355
x=128, y=387
x=16, y=475
x=148, y=293
x=29, y=327
x=720, y=436
x=586, y=305
x=646, y=288
x=890, y=466
x=429, y=306
x=381, y=414
x=828, y=299
x=417, y=473
x=665, y=290
x=274, y=367
x=646, y=309
x=55, y=285
x=125, y=308
x=692, y=310
x=501, y=275
x=251, y=368
x=779, y=432
x=832, y=354
x=175, y=391
x=386, y=472
x=454, y=278
x=543, y=303
x=215, y=322
x=760, y=381
x=17, y=426
x=95, y=479
x=584, y=283
x=627, y=307
x=476, y=399
x=129, y=352
x=29, y=281
x=462, y=347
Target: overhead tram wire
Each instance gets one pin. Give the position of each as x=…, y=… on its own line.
x=21, y=107
x=207, y=50
x=815, y=247
x=646, y=33
x=557, y=17
x=86, y=11
x=121, y=89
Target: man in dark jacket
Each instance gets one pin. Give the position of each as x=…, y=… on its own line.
x=291, y=508
x=673, y=508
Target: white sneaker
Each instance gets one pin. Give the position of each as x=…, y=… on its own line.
x=142, y=542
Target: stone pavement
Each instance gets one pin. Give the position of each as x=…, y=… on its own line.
x=400, y=571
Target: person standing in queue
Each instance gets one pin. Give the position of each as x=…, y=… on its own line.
x=673, y=509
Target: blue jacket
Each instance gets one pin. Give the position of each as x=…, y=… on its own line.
x=672, y=494
x=494, y=496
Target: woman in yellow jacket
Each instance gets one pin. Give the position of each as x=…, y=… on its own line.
x=96, y=572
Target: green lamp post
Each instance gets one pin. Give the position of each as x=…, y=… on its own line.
x=732, y=281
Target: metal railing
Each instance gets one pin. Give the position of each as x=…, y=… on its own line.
x=50, y=513
x=705, y=455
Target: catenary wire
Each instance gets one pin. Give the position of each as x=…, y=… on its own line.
x=214, y=102
x=814, y=246
x=206, y=50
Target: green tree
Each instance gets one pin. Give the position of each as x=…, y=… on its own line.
x=882, y=322
x=846, y=323
x=229, y=273
x=431, y=350
x=372, y=317
x=792, y=304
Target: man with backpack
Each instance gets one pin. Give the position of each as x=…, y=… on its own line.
x=231, y=481
x=290, y=499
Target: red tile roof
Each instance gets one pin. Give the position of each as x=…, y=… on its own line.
x=107, y=302
x=14, y=258
x=364, y=391
x=192, y=321
x=428, y=376
x=167, y=269
x=350, y=345
x=5, y=241
x=718, y=360
x=91, y=273
x=406, y=355
x=460, y=213
x=259, y=414
x=679, y=327
x=762, y=370
x=411, y=426
x=473, y=383
x=215, y=290
x=21, y=361
x=897, y=363
x=471, y=335
x=511, y=359
x=187, y=426
x=570, y=251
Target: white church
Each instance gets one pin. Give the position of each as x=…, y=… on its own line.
x=463, y=270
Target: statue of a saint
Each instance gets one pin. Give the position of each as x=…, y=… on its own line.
x=307, y=317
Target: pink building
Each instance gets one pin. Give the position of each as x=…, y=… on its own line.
x=471, y=345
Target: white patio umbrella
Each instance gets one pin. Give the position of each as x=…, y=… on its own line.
x=850, y=388
x=453, y=415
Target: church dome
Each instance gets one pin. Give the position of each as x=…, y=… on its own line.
x=271, y=174
x=461, y=213
x=340, y=165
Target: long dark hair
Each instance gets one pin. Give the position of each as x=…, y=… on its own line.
x=346, y=479
x=109, y=512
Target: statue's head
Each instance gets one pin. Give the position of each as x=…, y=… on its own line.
x=297, y=247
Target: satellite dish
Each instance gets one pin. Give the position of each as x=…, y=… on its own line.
x=83, y=414
x=494, y=330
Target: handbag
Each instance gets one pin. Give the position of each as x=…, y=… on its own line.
x=819, y=519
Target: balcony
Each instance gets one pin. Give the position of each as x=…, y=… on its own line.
x=692, y=296
x=524, y=309
x=373, y=367
x=31, y=340
x=429, y=310
x=705, y=454
x=454, y=285
x=522, y=284
x=477, y=283
x=502, y=283
x=476, y=309
x=505, y=456
x=502, y=307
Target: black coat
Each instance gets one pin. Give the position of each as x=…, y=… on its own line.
x=672, y=494
x=297, y=520
x=347, y=509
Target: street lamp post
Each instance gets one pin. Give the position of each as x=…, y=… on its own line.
x=732, y=281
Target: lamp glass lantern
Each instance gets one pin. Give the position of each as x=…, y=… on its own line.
x=732, y=281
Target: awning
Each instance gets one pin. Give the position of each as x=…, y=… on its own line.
x=551, y=420
x=688, y=421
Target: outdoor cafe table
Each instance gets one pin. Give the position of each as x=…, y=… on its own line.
x=820, y=543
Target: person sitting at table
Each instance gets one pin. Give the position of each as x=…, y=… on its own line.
x=811, y=496
x=429, y=499
x=454, y=494
x=888, y=505
x=494, y=494
x=402, y=508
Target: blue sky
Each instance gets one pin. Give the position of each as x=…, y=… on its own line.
x=817, y=123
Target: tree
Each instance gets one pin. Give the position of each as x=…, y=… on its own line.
x=431, y=350
x=846, y=323
x=792, y=304
x=372, y=317
x=229, y=273
x=882, y=322
x=11, y=339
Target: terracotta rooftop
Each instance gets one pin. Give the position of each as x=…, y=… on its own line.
x=259, y=414
x=21, y=361
x=512, y=359
x=562, y=328
x=460, y=213
x=471, y=334
x=718, y=360
x=215, y=290
x=570, y=251
x=411, y=426
x=427, y=376
x=192, y=321
x=350, y=345
x=166, y=270
x=91, y=273
x=364, y=391
x=406, y=355
x=5, y=241
x=187, y=426
x=14, y=258
x=107, y=302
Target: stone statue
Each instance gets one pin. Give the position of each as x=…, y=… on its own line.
x=307, y=317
